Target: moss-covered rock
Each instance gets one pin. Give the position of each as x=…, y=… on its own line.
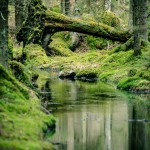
x=134, y=84
x=35, y=56
x=89, y=75
x=21, y=72
x=67, y=74
x=60, y=44
x=10, y=48
x=97, y=43
x=21, y=120
x=110, y=19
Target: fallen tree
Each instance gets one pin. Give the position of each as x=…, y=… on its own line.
x=42, y=23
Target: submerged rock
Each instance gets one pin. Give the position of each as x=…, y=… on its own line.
x=87, y=76
x=67, y=75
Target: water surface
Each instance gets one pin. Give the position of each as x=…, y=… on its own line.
x=96, y=116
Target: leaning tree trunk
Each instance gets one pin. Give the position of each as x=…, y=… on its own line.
x=41, y=23
x=4, y=33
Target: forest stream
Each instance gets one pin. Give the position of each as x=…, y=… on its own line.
x=95, y=116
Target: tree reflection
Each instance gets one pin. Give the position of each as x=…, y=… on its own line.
x=138, y=128
x=46, y=91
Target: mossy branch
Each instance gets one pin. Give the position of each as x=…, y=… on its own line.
x=124, y=47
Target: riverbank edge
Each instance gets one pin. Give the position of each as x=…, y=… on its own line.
x=122, y=68
x=22, y=121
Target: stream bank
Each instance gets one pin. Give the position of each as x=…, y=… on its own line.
x=22, y=121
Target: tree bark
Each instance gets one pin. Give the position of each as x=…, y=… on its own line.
x=4, y=33
x=41, y=22
x=140, y=30
x=107, y=5
x=143, y=19
x=65, y=7
x=130, y=22
x=21, y=12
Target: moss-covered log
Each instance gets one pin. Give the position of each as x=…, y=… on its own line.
x=59, y=22
x=42, y=23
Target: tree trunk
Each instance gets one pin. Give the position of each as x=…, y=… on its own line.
x=88, y=5
x=41, y=22
x=107, y=5
x=21, y=12
x=130, y=22
x=4, y=33
x=65, y=7
x=143, y=19
x=139, y=24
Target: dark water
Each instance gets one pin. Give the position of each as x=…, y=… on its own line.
x=96, y=116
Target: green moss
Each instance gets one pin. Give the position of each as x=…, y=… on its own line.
x=21, y=120
x=132, y=72
x=121, y=68
x=87, y=75
x=127, y=83
x=97, y=43
x=144, y=74
x=134, y=84
x=17, y=53
x=56, y=9
x=60, y=44
x=88, y=17
x=21, y=72
x=110, y=19
x=34, y=56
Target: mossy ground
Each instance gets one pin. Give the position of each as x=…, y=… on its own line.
x=21, y=120
x=119, y=67
x=122, y=68
x=35, y=57
x=60, y=44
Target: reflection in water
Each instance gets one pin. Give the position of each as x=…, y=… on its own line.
x=103, y=126
x=94, y=116
x=139, y=129
x=46, y=91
